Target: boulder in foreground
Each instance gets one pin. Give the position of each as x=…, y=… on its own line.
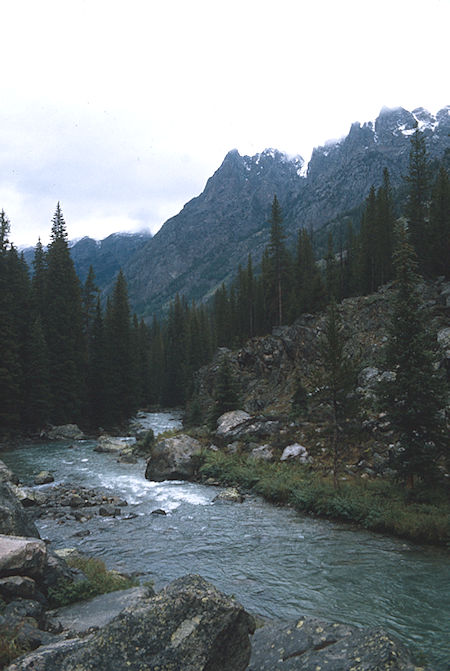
x=190, y=625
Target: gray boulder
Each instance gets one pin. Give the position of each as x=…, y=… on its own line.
x=22, y=556
x=190, y=625
x=310, y=644
x=296, y=452
x=173, y=459
x=14, y=520
x=230, y=420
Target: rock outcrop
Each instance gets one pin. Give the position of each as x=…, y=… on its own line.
x=309, y=644
x=190, y=625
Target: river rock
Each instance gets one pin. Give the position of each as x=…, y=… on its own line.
x=22, y=556
x=66, y=432
x=310, y=644
x=190, y=625
x=173, y=459
x=230, y=494
x=114, y=444
x=43, y=478
x=14, y=520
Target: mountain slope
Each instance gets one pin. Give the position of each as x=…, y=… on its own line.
x=198, y=249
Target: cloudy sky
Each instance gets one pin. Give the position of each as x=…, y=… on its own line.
x=122, y=109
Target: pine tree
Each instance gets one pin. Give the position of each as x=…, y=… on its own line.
x=10, y=365
x=417, y=208
x=440, y=225
x=414, y=399
x=97, y=379
x=63, y=327
x=175, y=349
x=226, y=395
x=120, y=369
x=37, y=396
x=278, y=266
x=39, y=281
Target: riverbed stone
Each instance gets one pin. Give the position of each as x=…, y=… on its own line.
x=15, y=586
x=43, y=478
x=230, y=494
x=114, y=444
x=173, y=459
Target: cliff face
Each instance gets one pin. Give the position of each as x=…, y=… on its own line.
x=202, y=246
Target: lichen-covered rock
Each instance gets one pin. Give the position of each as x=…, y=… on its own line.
x=22, y=556
x=230, y=420
x=310, y=644
x=190, y=626
x=173, y=459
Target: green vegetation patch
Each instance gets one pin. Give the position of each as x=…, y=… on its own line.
x=98, y=580
x=378, y=505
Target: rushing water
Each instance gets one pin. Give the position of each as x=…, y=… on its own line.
x=274, y=561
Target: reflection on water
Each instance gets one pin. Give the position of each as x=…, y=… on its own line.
x=276, y=562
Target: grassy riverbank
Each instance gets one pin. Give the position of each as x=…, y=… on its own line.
x=379, y=505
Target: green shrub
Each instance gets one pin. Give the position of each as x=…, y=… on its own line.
x=98, y=580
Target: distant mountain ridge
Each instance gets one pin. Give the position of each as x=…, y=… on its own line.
x=106, y=256
x=202, y=246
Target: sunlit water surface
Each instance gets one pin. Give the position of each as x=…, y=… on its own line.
x=274, y=561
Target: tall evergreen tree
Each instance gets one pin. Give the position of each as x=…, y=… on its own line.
x=278, y=262
x=413, y=401
x=122, y=400
x=63, y=325
x=417, y=209
x=37, y=390
x=440, y=225
x=10, y=365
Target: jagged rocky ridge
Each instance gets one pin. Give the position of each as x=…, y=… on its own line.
x=202, y=246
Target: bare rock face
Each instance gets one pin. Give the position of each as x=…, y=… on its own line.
x=173, y=459
x=190, y=625
x=22, y=556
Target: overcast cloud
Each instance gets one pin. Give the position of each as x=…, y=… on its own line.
x=121, y=110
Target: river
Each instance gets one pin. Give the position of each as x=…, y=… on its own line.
x=276, y=562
